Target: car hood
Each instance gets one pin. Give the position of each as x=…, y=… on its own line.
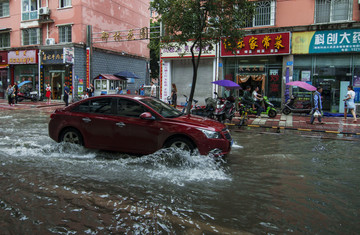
x=199, y=122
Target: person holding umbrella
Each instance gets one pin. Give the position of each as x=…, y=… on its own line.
x=317, y=106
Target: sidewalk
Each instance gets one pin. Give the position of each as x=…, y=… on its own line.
x=299, y=122
x=296, y=122
x=28, y=104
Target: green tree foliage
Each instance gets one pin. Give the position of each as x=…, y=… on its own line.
x=202, y=23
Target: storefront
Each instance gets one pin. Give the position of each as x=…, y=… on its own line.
x=258, y=62
x=176, y=68
x=329, y=59
x=24, y=67
x=55, y=71
x=4, y=78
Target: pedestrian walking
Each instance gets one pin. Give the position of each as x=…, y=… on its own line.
x=91, y=90
x=317, y=106
x=48, y=94
x=10, y=93
x=350, y=103
x=174, y=95
x=66, y=95
x=153, y=90
x=16, y=92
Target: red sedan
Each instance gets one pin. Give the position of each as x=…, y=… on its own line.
x=136, y=124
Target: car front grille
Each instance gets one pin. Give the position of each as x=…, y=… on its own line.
x=226, y=134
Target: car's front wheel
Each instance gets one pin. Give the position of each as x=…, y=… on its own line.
x=71, y=135
x=180, y=143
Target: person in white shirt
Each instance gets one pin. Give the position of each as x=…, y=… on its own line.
x=153, y=90
x=85, y=95
x=350, y=103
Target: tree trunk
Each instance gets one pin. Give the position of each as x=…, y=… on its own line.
x=195, y=64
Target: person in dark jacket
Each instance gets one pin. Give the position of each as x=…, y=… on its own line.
x=66, y=95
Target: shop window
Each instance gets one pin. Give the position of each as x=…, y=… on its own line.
x=4, y=40
x=327, y=11
x=29, y=10
x=64, y=3
x=264, y=14
x=65, y=34
x=30, y=36
x=4, y=8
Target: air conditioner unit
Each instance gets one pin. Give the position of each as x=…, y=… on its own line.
x=44, y=11
x=50, y=41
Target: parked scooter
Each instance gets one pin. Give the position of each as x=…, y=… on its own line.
x=187, y=102
x=28, y=95
x=296, y=107
x=269, y=108
x=225, y=108
x=209, y=109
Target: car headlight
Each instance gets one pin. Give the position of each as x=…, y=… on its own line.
x=211, y=134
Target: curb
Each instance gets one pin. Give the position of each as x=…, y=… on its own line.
x=296, y=129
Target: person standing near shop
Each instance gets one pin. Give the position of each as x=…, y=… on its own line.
x=174, y=95
x=10, y=94
x=91, y=90
x=153, y=90
x=48, y=94
x=16, y=91
x=66, y=95
x=350, y=103
x=317, y=106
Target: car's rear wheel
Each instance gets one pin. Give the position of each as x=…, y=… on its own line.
x=180, y=143
x=72, y=135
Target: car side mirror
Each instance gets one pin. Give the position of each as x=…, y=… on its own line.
x=147, y=116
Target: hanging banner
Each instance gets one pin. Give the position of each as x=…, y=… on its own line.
x=165, y=81
x=69, y=55
x=259, y=44
x=87, y=67
x=333, y=41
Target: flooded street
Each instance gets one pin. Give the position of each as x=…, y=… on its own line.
x=269, y=184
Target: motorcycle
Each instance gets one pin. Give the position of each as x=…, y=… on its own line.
x=28, y=95
x=296, y=107
x=225, y=108
x=269, y=108
x=209, y=109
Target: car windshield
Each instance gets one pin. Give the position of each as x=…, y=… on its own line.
x=162, y=108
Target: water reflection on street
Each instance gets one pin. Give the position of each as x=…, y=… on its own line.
x=270, y=183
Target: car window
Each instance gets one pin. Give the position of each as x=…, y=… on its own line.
x=162, y=108
x=129, y=108
x=100, y=106
x=82, y=108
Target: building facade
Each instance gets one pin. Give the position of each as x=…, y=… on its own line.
x=71, y=42
x=315, y=41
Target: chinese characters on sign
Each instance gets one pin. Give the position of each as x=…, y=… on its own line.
x=336, y=41
x=22, y=57
x=262, y=44
x=176, y=51
x=165, y=80
x=123, y=35
x=52, y=57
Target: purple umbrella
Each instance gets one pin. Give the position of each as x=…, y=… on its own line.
x=227, y=83
x=303, y=85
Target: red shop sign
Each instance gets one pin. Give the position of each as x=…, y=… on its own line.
x=259, y=44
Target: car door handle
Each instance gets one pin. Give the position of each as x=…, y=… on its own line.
x=120, y=124
x=87, y=120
